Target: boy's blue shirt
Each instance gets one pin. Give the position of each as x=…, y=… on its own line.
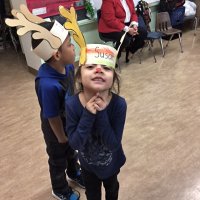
x=51, y=89
x=97, y=137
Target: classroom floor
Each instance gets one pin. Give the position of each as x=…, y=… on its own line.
x=161, y=137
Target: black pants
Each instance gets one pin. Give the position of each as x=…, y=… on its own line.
x=136, y=41
x=93, y=186
x=61, y=157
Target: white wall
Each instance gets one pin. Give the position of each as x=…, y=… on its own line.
x=32, y=60
x=15, y=3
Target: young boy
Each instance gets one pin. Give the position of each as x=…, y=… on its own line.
x=51, y=42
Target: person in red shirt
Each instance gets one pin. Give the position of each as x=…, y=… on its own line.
x=117, y=17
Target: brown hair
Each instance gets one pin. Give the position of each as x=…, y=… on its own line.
x=115, y=86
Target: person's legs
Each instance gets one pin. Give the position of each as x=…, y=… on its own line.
x=61, y=157
x=73, y=168
x=57, y=166
x=92, y=185
x=116, y=36
x=57, y=159
x=72, y=162
x=138, y=40
x=111, y=186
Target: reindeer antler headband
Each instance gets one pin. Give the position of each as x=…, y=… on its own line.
x=71, y=24
x=28, y=22
x=92, y=53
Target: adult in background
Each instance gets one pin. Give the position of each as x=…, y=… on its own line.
x=118, y=16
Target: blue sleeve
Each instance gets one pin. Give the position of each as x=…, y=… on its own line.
x=111, y=131
x=50, y=101
x=78, y=127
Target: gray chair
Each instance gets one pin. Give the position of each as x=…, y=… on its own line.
x=163, y=25
x=151, y=37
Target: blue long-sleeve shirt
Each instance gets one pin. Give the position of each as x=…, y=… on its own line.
x=97, y=137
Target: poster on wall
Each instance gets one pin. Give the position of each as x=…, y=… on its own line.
x=47, y=8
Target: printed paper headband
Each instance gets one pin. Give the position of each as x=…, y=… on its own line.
x=28, y=22
x=91, y=53
x=101, y=54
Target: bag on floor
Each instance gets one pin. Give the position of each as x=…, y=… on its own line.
x=170, y=5
x=177, y=16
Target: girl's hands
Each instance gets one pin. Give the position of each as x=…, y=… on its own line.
x=100, y=103
x=96, y=103
x=90, y=105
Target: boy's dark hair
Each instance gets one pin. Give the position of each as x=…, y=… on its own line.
x=115, y=86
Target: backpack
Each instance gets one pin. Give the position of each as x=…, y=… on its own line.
x=143, y=10
x=170, y=5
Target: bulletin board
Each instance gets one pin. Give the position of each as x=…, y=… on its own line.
x=48, y=8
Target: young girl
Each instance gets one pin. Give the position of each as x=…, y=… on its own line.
x=95, y=122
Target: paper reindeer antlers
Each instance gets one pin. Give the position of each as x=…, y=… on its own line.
x=71, y=24
x=23, y=16
x=53, y=39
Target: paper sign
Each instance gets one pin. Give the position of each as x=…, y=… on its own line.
x=39, y=11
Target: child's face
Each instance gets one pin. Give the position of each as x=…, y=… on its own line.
x=96, y=78
x=67, y=52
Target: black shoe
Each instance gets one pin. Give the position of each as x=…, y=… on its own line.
x=66, y=196
x=77, y=179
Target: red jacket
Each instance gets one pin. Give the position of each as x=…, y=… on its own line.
x=113, y=15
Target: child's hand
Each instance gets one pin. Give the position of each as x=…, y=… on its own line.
x=100, y=103
x=91, y=105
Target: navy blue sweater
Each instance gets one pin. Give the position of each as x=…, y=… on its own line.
x=51, y=88
x=97, y=137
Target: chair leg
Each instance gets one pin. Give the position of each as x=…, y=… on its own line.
x=118, y=65
x=139, y=55
x=169, y=40
x=180, y=42
x=127, y=54
x=150, y=48
x=161, y=44
x=195, y=25
x=14, y=41
x=4, y=38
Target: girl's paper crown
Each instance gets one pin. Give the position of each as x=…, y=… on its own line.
x=101, y=54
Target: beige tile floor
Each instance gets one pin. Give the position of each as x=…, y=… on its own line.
x=161, y=138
